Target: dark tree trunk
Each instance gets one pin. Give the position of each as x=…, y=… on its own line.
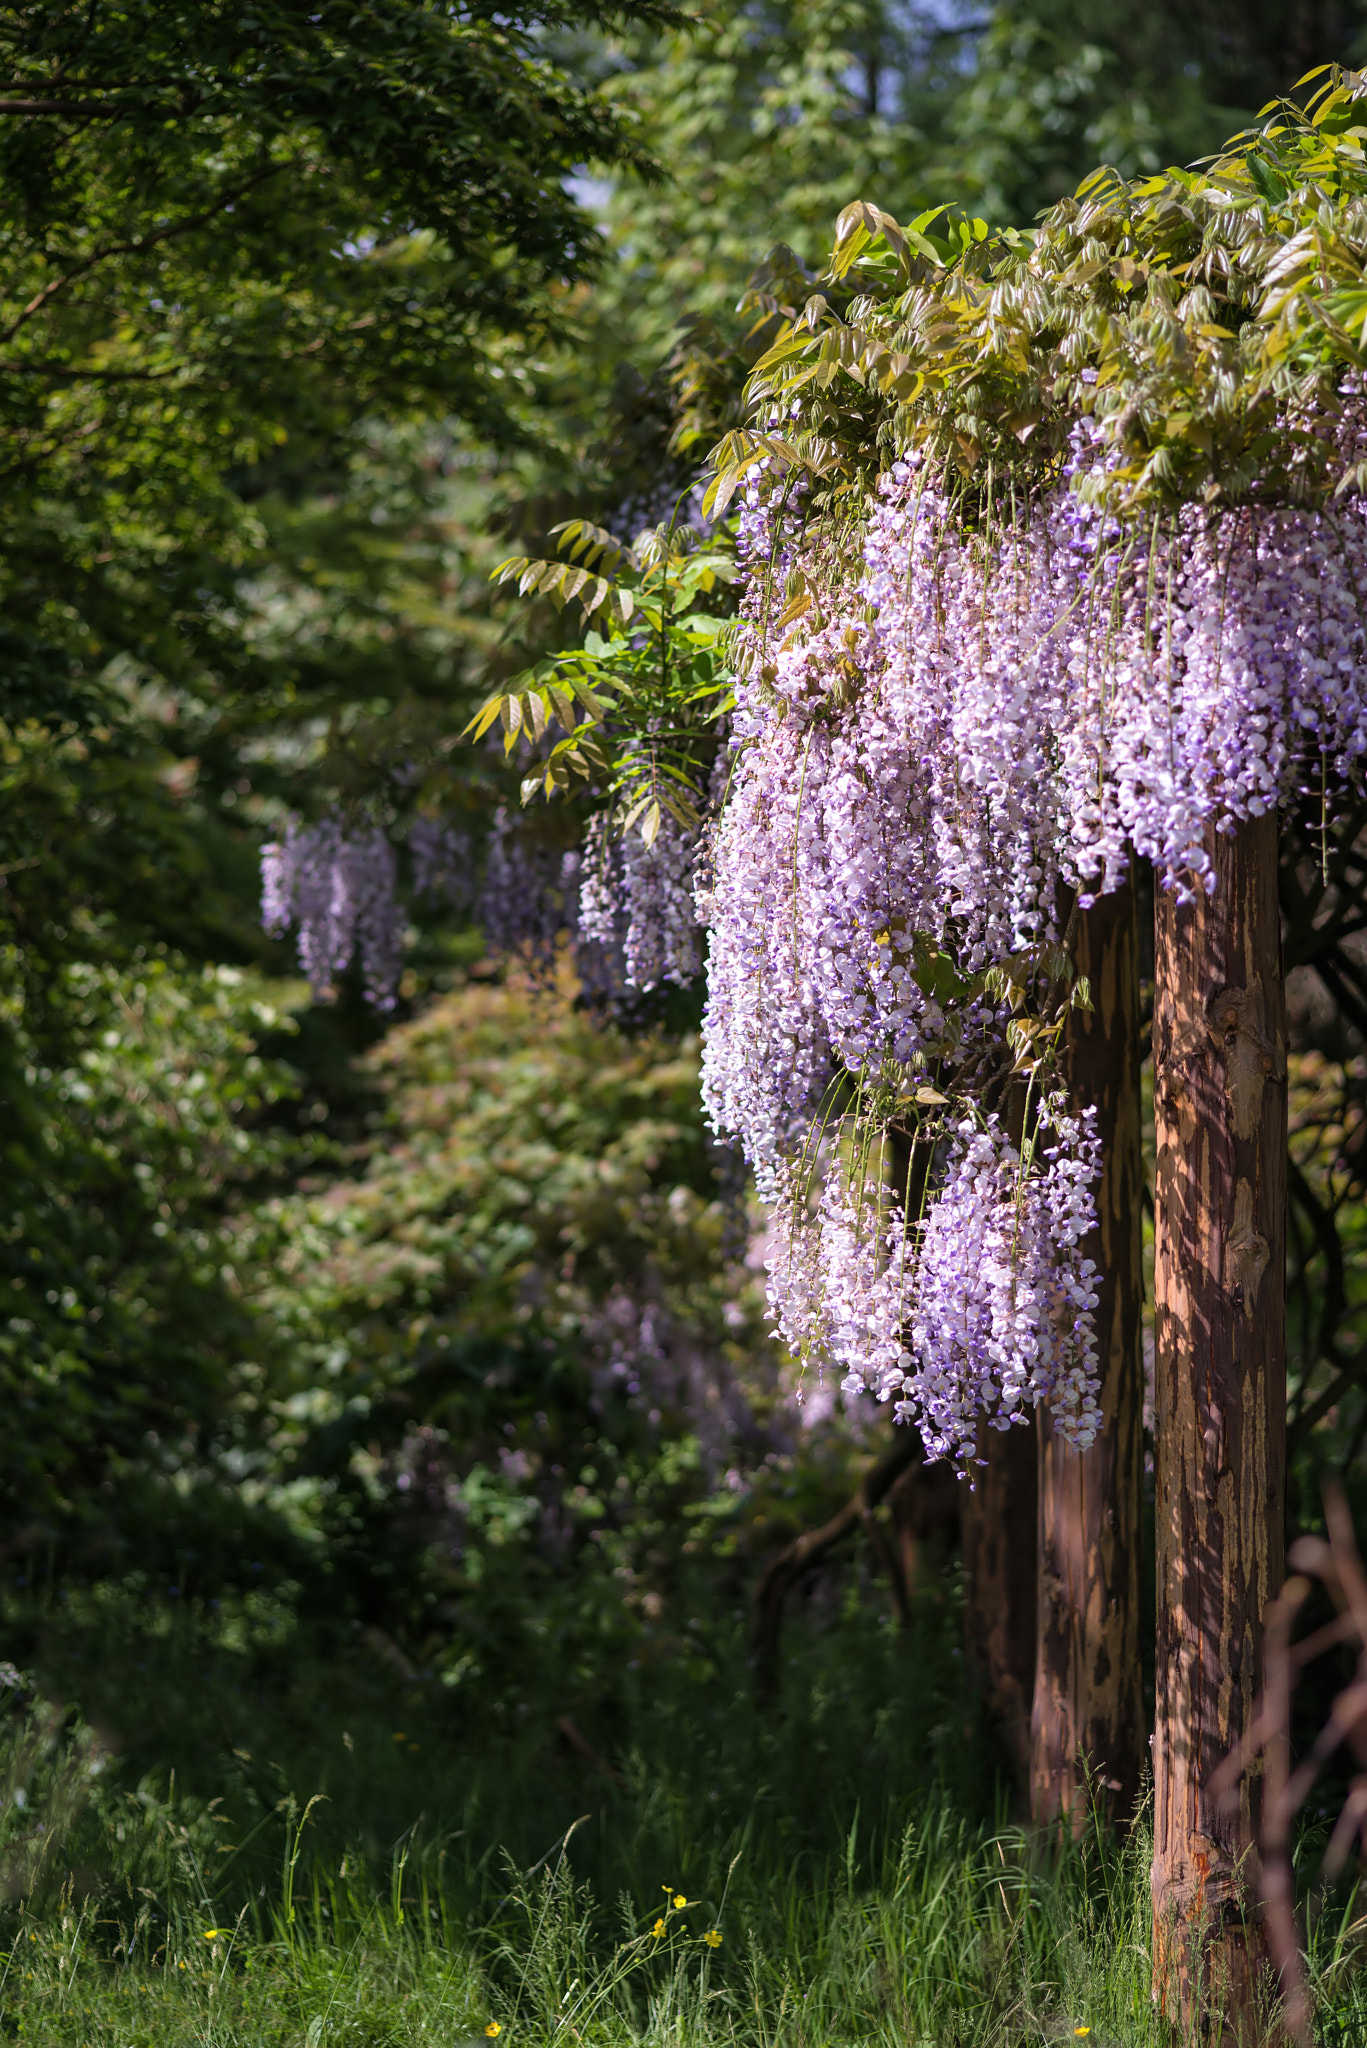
x=1086, y=1732
x=999, y=1559
x=926, y=1506
x=1220, y=1407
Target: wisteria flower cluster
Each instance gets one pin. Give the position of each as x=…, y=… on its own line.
x=529, y=897
x=984, y=1308
x=338, y=888
x=639, y=898
x=938, y=741
x=443, y=861
x=626, y=924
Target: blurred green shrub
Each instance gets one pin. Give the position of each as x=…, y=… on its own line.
x=531, y=1385
x=139, y=1126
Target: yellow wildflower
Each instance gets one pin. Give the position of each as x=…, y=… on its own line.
x=212, y=1933
x=658, y=1929
x=680, y=1901
x=713, y=1937
x=493, y=2029
x=1080, y=2031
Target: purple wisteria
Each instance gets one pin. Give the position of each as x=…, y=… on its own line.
x=530, y=895
x=625, y=909
x=338, y=889
x=986, y=1308
x=640, y=898
x=942, y=734
x=443, y=861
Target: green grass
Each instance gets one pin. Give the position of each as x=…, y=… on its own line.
x=329, y=1884
x=947, y=1937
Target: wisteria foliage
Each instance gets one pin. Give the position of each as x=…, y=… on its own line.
x=946, y=734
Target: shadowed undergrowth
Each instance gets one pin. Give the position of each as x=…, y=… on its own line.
x=262, y=1846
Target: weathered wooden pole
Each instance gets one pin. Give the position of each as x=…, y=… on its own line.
x=999, y=1521
x=1220, y=1409
x=1087, y=1733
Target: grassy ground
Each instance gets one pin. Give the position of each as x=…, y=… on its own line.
x=244, y=1842
x=945, y=1939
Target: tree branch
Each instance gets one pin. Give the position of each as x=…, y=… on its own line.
x=1347, y=1377
x=100, y=109
x=1335, y=1297
x=805, y=1552
x=138, y=247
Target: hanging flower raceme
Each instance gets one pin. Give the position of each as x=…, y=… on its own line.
x=443, y=861
x=983, y=1306
x=1215, y=667
x=943, y=737
x=637, y=897
x=1004, y=1296
x=338, y=889
x=530, y=895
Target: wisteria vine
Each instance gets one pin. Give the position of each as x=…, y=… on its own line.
x=1110, y=598
x=966, y=723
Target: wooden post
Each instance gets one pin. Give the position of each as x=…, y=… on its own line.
x=1220, y=1410
x=1086, y=1730
x=999, y=1518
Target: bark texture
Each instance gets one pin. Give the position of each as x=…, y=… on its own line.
x=1220, y=1410
x=999, y=1518
x=1086, y=1735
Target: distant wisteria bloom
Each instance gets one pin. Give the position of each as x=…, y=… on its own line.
x=443, y=861
x=338, y=889
x=640, y=898
x=530, y=894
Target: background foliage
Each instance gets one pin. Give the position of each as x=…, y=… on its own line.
x=371, y=1391
x=265, y=457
